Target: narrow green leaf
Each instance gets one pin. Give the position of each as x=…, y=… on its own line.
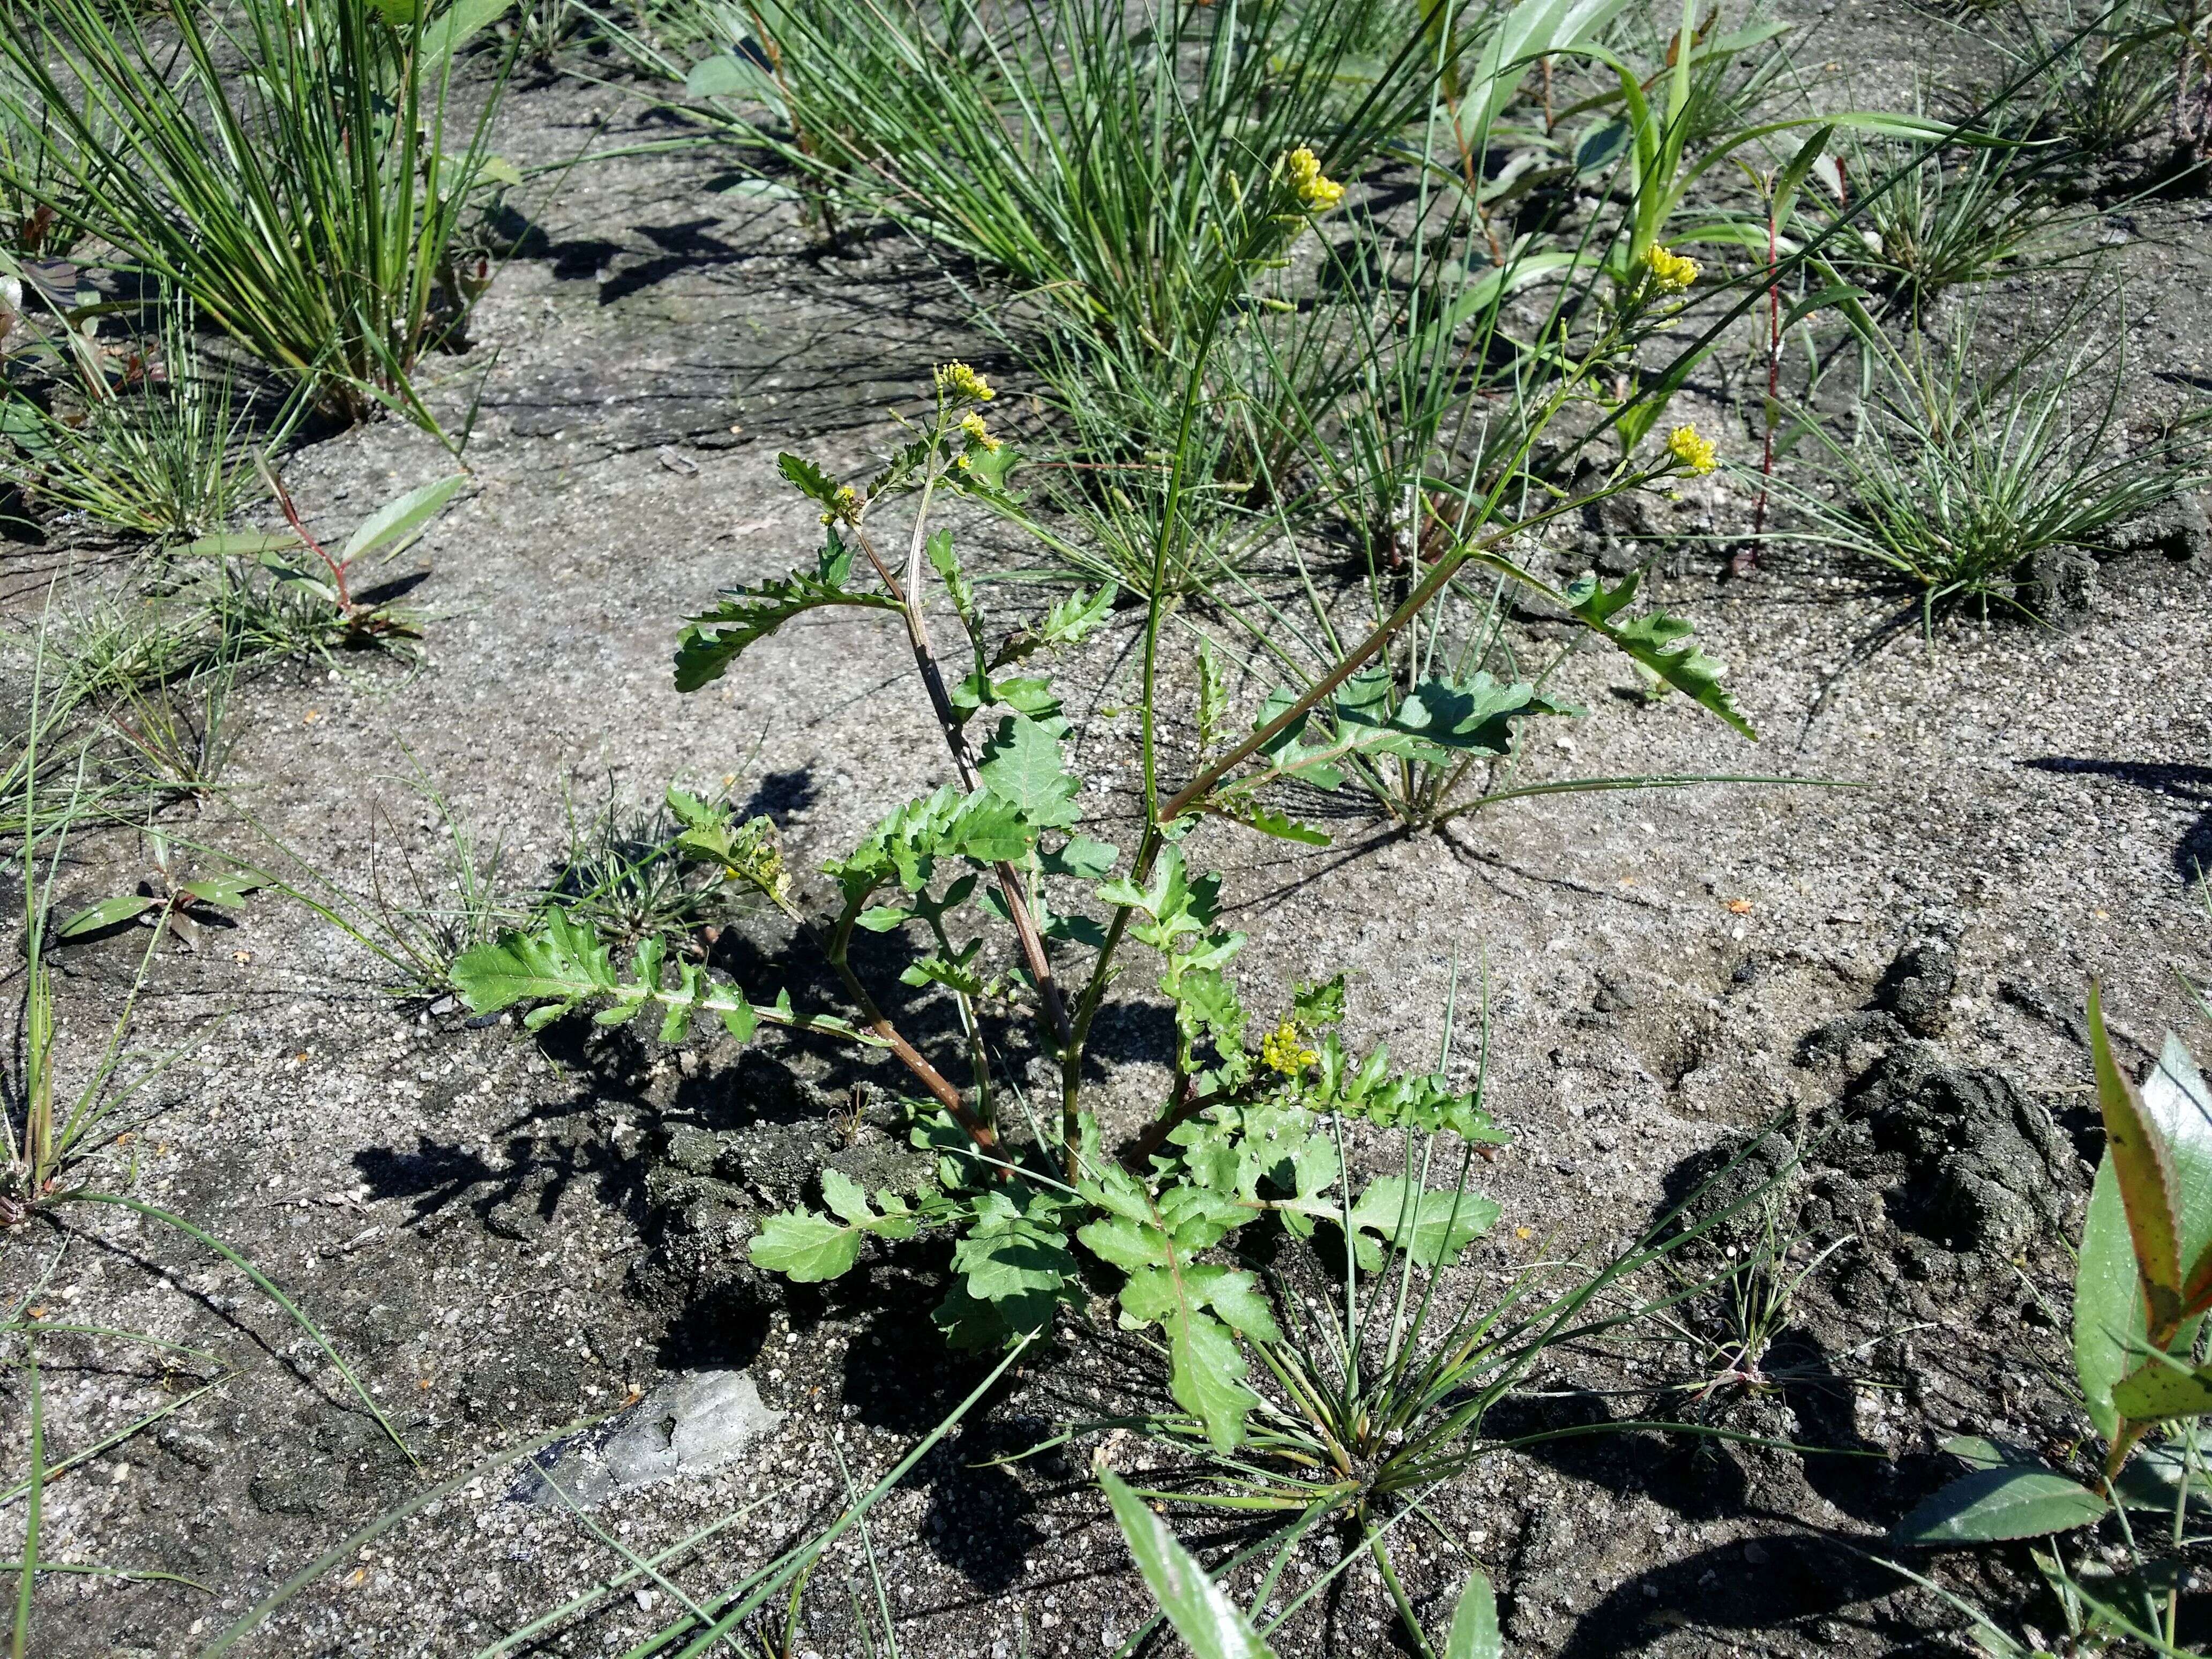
x=1202, y=1614
x=1474, y=1633
x=396, y=523
x=106, y=914
x=2144, y=1168
x=2110, y=1330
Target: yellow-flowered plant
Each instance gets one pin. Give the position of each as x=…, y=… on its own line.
x=1670, y=272
x=1284, y=1049
x=978, y=434
x=956, y=379
x=1316, y=191
x=1694, y=451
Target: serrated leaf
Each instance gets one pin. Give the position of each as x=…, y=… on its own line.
x=714, y=638
x=1206, y=1376
x=971, y=1324
x=1432, y=1227
x=1022, y=764
x=946, y=563
x=1082, y=857
x=1236, y=1296
x=1474, y=1633
x=1661, y=643
x=806, y=1247
x=1283, y=827
x=1202, y=1614
x=2007, y=1501
x=846, y=1198
x=562, y=960
x=397, y=522
x=1471, y=715
x=809, y=479
x=1126, y=1242
x=1319, y=1006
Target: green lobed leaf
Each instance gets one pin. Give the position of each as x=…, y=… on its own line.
x=1022, y=764
x=1202, y=1614
x=562, y=962
x=1433, y=1227
x=1205, y=1375
x=806, y=1247
x=712, y=640
x=809, y=479
x=1661, y=643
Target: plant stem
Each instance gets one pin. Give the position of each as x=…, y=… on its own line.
x=964, y=761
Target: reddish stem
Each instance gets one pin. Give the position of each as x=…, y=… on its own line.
x=1746, y=558
x=346, y=605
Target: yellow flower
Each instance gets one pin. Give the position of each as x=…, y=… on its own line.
x=1697, y=453
x=1283, y=1052
x=1672, y=271
x=962, y=381
x=972, y=424
x=847, y=508
x=1316, y=191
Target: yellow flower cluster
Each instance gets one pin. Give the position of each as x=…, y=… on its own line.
x=847, y=508
x=961, y=381
x=1316, y=191
x=978, y=434
x=1284, y=1050
x=1671, y=271
x=1694, y=451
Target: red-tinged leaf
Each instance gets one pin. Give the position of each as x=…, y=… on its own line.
x=2145, y=1172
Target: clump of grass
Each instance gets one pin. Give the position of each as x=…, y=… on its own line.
x=2122, y=76
x=1958, y=483
x=290, y=173
x=1946, y=220
x=1092, y=165
x=153, y=443
x=629, y=874
x=40, y=215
